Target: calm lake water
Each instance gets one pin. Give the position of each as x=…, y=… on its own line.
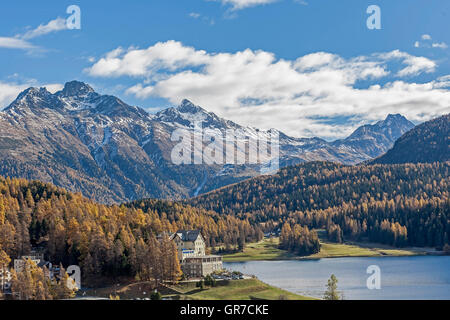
x=420, y=277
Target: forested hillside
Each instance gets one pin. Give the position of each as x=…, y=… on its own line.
x=105, y=240
x=396, y=204
x=426, y=143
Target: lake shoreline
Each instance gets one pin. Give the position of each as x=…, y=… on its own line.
x=307, y=258
x=406, y=277
x=267, y=250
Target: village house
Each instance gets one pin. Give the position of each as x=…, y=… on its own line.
x=5, y=274
x=191, y=248
x=37, y=258
x=51, y=271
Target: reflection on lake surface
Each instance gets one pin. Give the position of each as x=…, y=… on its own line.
x=420, y=277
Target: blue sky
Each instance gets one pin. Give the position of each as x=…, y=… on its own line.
x=307, y=67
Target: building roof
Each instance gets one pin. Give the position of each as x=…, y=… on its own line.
x=188, y=235
x=203, y=257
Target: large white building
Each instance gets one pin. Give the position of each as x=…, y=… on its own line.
x=190, y=243
x=192, y=254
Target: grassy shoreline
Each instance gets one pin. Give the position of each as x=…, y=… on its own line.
x=267, y=249
x=246, y=289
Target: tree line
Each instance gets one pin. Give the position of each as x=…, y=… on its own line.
x=299, y=240
x=106, y=241
x=404, y=204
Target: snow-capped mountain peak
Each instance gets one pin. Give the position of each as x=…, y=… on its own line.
x=189, y=115
x=98, y=144
x=33, y=98
x=78, y=95
x=75, y=89
x=187, y=106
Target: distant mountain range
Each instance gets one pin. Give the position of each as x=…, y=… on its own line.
x=113, y=152
x=428, y=142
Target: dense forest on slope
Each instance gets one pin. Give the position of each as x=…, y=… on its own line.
x=401, y=205
x=299, y=240
x=426, y=143
x=105, y=240
x=404, y=204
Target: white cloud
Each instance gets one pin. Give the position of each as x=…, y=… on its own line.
x=427, y=44
x=21, y=41
x=55, y=25
x=14, y=43
x=53, y=87
x=8, y=92
x=242, y=4
x=198, y=16
x=415, y=65
x=441, y=45
x=194, y=15
x=255, y=88
x=315, y=60
x=170, y=55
